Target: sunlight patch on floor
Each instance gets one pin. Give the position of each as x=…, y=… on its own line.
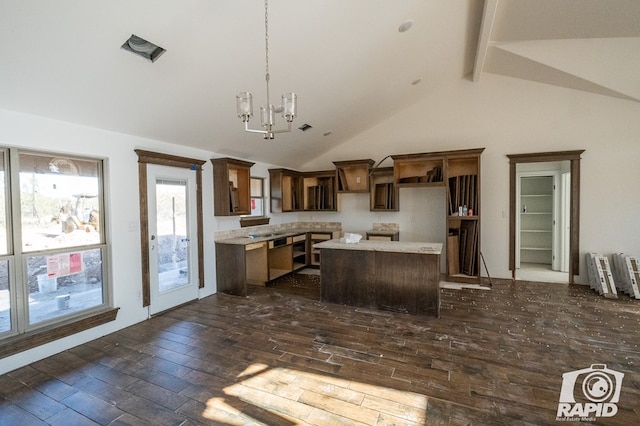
x=292, y=396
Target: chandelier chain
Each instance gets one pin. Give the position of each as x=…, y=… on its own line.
x=266, y=45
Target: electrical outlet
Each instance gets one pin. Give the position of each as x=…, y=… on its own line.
x=412, y=218
x=357, y=179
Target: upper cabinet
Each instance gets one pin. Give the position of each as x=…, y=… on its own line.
x=231, y=186
x=319, y=190
x=353, y=176
x=285, y=190
x=418, y=169
x=384, y=194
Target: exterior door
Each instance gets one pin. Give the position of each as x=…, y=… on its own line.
x=173, y=260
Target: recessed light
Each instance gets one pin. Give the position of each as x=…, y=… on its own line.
x=142, y=47
x=405, y=26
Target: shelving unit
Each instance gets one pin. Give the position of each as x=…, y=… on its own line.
x=462, y=177
x=231, y=186
x=285, y=190
x=319, y=190
x=536, y=219
x=299, y=251
x=353, y=176
x=384, y=194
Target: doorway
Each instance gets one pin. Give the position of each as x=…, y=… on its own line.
x=173, y=260
x=541, y=206
x=147, y=160
x=573, y=212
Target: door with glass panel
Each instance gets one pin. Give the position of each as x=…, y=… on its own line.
x=173, y=259
x=6, y=293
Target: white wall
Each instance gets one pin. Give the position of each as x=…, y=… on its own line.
x=510, y=116
x=507, y=116
x=24, y=131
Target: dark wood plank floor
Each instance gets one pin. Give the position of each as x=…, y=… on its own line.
x=280, y=357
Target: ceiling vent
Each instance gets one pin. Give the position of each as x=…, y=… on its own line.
x=305, y=127
x=142, y=47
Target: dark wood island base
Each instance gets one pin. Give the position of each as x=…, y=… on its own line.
x=386, y=275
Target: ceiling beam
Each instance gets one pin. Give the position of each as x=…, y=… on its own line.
x=488, y=18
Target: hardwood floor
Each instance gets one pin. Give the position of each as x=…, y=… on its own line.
x=280, y=357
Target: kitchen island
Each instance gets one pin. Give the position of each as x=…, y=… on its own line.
x=387, y=275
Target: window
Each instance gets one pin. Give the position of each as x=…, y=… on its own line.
x=52, y=243
x=257, y=196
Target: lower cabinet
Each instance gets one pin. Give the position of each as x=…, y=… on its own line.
x=258, y=263
x=299, y=251
x=279, y=258
x=317, y=237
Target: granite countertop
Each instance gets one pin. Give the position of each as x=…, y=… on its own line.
x=268, y=236
x=390, y=246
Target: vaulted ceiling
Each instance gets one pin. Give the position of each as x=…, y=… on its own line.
x=347, y=61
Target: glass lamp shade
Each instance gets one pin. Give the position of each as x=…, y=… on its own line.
x=289, y=106
x=244, y=104
x=267, y=115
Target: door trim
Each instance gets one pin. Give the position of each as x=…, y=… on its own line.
x=150, y=157
x=574, y=242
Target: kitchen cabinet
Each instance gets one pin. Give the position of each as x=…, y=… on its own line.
x=280, y=257
x=353, y=175
x=243, y=261
x=239, y=264
x=299, y=251
x=462, y=177
x=459, y=172
x=384, y=194
x=231, y=186
x=319, y=190
x=317, y=237
x=390, y=275
x=424, y=169
x=285, y=190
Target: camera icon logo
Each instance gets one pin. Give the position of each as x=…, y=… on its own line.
x=592, y=391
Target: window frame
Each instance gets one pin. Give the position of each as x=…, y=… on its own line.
x=23, y=335
x=260, y=197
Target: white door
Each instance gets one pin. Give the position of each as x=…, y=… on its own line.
x=173, y=257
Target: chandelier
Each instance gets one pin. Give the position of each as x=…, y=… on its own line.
x=244, y=100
